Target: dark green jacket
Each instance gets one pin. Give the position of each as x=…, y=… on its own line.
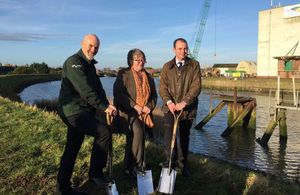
x=81, y=89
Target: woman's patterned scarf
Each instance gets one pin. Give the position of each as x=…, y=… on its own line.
x=142, y=94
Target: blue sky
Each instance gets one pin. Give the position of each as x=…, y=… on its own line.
x=51, y=30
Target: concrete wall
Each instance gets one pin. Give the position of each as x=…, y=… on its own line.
x=276, y=36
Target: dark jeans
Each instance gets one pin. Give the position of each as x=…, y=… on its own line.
x=135, y=144
x=78, y=126
x=184, y=130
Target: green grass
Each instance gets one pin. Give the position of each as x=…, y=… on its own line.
x=11, y=85
x=32, y=142
x=49, y=105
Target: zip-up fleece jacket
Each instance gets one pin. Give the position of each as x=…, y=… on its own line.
x=81, y=89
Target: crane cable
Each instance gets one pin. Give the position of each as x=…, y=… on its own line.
x=215, y=34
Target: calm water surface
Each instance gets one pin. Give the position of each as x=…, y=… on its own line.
x=282, y=160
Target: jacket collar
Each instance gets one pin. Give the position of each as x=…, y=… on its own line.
x=81, y=54
x=187, y=61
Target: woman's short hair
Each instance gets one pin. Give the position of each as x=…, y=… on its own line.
x=135, y=53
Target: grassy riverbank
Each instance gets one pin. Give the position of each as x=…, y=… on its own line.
x=32, y=141
x=11, y=85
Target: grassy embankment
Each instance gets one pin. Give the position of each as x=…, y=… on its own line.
x=11, y=85
x=32, y=142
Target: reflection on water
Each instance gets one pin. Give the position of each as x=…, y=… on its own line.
x=281, y=159
x=48, y=91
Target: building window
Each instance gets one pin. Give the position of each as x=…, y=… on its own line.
x=288, y=65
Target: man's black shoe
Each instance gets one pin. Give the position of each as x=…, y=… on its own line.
x=185, y=172
x=130, y=173
x=165, y=164
x=78, y=192
x=71, y=191
x=102, y=180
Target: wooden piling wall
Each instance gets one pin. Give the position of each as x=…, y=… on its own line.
x=248, y=84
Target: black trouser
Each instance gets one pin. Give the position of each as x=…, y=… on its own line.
x=78, y=126
x=184, y=130
x=135, y=144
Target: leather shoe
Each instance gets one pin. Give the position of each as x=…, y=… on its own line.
x=102, y=180
x=165, y=164
x=130, y=173
x=78, y=192
x=67, y=190
x=71, y=191
x=185, y=172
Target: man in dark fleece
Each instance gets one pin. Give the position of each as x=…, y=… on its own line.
x=81, y=95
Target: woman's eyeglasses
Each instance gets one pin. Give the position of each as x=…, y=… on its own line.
x=140, y=61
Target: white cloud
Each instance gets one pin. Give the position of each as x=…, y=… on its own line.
x=28, y=36
x=60, y=8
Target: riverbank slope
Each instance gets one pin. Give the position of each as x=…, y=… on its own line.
x=11, y=85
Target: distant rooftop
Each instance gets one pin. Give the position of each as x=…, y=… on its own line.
x=225, y=65
x=287, y=57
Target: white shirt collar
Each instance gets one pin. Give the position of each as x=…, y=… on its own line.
x=179, y=61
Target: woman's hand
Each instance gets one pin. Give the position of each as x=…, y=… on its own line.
x=146, y=110
x=138, y=109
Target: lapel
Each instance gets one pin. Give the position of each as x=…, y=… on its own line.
x=131, y=84
x=173, y=63
x=187, y=63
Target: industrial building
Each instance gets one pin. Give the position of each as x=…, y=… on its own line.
x=278, y=35
x=249, y=67
x=222, y=68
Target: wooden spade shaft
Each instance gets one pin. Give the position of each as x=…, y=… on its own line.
x=176, y=119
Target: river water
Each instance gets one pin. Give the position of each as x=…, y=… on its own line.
x=240, y=148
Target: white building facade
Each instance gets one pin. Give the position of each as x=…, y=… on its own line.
x=278, y=33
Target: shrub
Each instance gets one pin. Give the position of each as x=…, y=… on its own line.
x=39, y=68
x=22, y=70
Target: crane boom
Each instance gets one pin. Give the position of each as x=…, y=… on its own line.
x=199, y=36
